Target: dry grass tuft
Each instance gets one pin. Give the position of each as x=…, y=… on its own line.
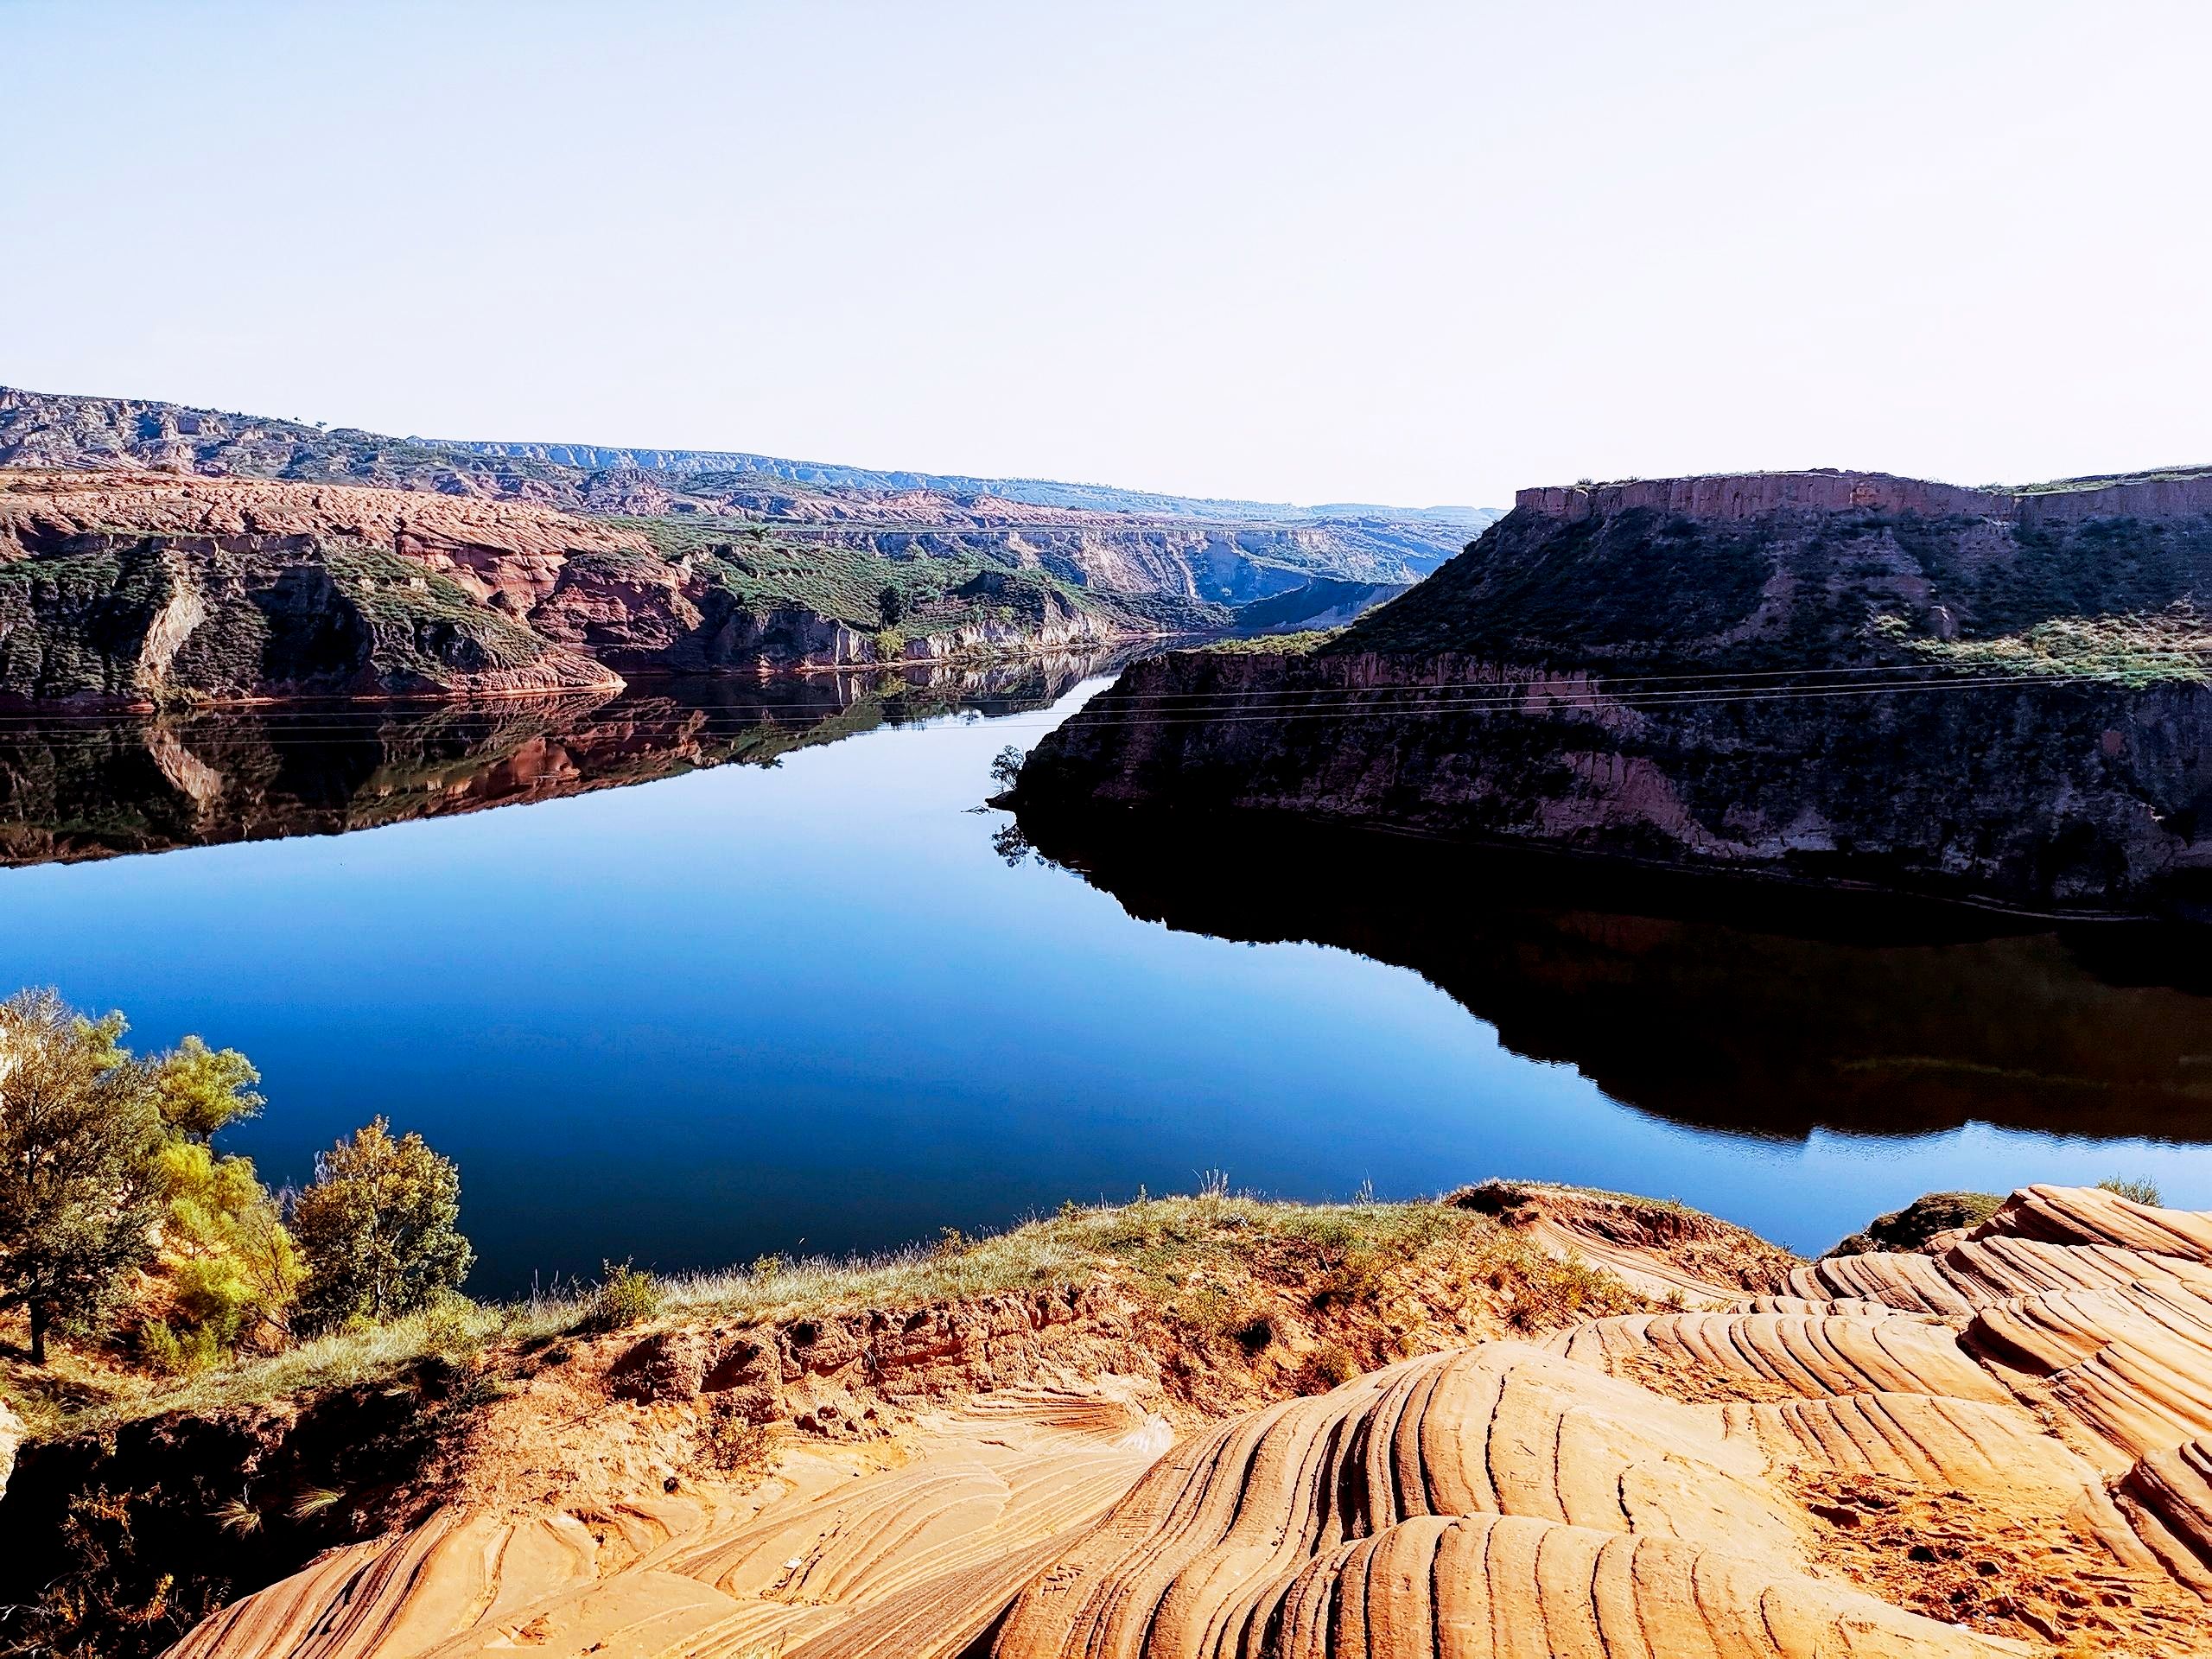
x=1234, y=1271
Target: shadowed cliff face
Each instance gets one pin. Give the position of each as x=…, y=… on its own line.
x=1768, y=1014
x=93, y=786
x=2002, y=697
x=2046, y=796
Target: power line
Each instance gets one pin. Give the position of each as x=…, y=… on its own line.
x=1534, y=697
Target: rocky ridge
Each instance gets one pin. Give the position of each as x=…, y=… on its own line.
x=1990, y=1446
x=140, y=589
x=2000, y=696
x=1190, y=556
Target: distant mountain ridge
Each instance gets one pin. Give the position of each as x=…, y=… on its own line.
x=1032, y=492
x=1185, y=561
x=63, y=429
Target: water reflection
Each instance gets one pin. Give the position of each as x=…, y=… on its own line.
x=92, y=786
x=1751, y=1011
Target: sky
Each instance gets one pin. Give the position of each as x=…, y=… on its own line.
x=1394, y=252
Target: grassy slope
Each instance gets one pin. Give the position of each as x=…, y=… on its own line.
x=1205, y=1264
x=937, y=591
x=2110, y=599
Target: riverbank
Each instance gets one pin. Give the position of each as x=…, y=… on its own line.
x=917, y=1450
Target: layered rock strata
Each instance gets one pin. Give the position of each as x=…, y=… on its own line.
x=2000, y=696
x=1992, y=1446
x=144, y=589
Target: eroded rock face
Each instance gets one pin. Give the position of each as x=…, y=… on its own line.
x=2046, y=796
x=1995, y=1448
x=143, y=589
x=1830, y=677
x=146, y=590
x=2184, y=492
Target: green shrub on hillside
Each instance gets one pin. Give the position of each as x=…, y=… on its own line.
x=378, y=1229
x=627, y=1295
x=2136, y=1190
x=80, y=1137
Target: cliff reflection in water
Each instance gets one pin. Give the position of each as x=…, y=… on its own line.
x=93, y=786
x=1753, y=1010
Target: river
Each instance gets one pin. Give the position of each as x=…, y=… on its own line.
x=692, y=975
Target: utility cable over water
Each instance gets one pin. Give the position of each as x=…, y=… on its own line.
x=1544, y=694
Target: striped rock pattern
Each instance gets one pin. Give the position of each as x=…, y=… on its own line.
x=2002, y=1446
x=1804, y=1473
x=828, y=1561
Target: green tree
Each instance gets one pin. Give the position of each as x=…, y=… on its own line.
x=79, y=1134
x=229, y=1264
x=198, y=1089
x=378, y=1229
x=890, y=605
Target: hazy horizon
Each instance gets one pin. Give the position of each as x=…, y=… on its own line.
x=1424, y=256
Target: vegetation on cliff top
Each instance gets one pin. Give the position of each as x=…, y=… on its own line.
x=1193, y=1260
x=937, y=590
x=2111, y=599
x=1303, y=644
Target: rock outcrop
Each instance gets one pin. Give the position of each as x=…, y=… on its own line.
x=144, y=589
x=1902, y=1455
x=1998, y=1448
x=2000, y=696
x=1188, y=557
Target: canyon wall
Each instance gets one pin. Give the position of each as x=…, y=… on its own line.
x=1190, y=554
x=140, y=589
x=1824, y=676
x=2181, y=492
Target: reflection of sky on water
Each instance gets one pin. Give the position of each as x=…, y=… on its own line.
x=810, y=1007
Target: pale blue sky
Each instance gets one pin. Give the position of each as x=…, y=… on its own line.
x=1389, y=251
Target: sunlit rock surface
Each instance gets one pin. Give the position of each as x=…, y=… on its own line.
x=1997, y=1445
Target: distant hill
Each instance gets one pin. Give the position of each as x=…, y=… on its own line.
x=1189, y=559
x=1032, y=492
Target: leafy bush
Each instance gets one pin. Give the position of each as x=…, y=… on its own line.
x=626, y=1296
x=79, y=1140
x=378, y=1230
x=232, y=1267
x=198, y=1089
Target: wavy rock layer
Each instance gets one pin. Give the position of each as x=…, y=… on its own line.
x=1951, y=1454
x=831, y=1557
x=2001, y=1446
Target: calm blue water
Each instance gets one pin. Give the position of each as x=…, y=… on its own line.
x=812, y=1008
